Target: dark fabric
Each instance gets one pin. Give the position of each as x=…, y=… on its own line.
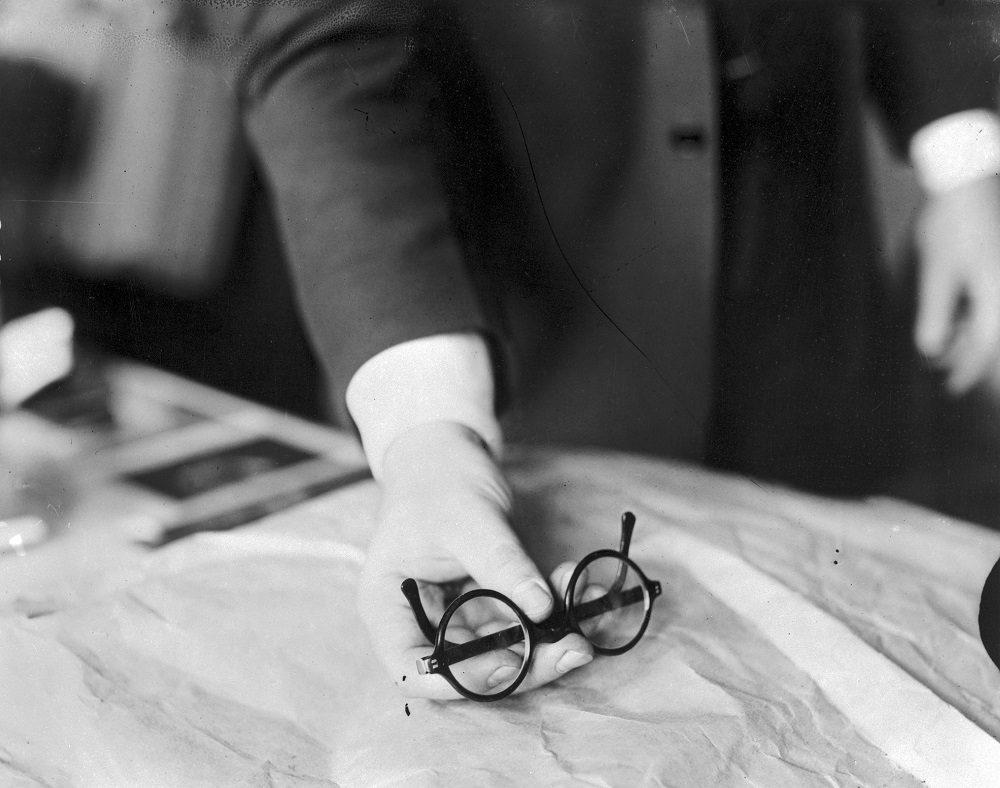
x=915, y=52
x=39, y=107
x=338, y=111
x=810, y=386
x=394, y=134
x=798, y=280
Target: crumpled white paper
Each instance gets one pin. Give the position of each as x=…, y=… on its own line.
x=237, y=659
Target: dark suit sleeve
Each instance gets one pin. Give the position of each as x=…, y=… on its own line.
x=336, y=107
x=929, y=59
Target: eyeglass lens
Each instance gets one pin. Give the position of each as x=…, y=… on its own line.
x=486, y=645
x=609, y=602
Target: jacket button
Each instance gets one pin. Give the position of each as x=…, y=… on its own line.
x=688, y=139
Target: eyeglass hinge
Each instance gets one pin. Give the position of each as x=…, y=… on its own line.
x=427, y=665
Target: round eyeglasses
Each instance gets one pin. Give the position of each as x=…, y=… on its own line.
x=484, y=643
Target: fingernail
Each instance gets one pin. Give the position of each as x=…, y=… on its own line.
x=534, y=598
x=572, y=660
x=503, y=675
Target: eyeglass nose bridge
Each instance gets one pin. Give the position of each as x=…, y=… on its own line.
x=554, y=628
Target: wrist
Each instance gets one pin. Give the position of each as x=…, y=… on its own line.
x=444, y=443
x=444, y=459
x=438, y=385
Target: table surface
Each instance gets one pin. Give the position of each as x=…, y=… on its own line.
x=799, y=640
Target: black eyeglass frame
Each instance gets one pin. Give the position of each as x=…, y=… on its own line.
x=563, y=621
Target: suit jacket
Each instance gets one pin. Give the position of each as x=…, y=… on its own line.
x=596, y=187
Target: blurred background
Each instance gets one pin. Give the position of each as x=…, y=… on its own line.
x=128, y=198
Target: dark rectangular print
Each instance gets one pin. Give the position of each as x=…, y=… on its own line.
x=201, y=473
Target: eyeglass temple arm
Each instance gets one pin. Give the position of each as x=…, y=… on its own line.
x=412, y=594
x=628, y=526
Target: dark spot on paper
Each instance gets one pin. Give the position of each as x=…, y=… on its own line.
x=406, y=708
x=836, y=562
x=404, y=677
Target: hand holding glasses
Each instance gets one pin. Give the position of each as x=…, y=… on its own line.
x=484, y=643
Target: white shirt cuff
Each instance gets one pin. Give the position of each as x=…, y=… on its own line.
x=446, y=377
x=956, y=149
